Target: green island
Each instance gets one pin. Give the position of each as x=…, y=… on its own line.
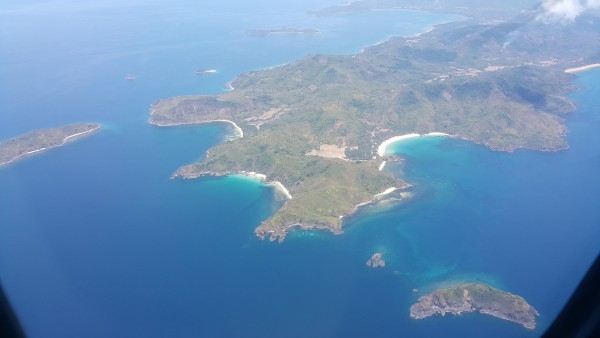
x=313, y=127
x=282, y=30
x=39, y=140
x=476, y=297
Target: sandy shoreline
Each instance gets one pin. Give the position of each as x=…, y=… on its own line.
x=281, y=188
x=386, y=192
x=253, y=175
x=27, y=153
x=64, y=141
x=381, y=150
x=582, y=68
x=376, y=199
x=262, y=178
x=427, y=30
x=239, y=133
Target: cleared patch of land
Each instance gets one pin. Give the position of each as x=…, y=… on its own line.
x=329, y=151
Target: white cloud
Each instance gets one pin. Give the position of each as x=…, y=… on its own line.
x=566, y=10
x=563, y=9
x=593, y=3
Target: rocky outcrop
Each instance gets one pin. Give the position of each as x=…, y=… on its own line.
x=376, y=261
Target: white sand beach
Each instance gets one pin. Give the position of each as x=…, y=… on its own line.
x=25, y=154
x=281, y=188
x=66, y=139
x=254, y=175
x=582, y=68
x=262, y=178
x=386, y=192
x=381, y=150
x=383, y=146
x=239, y=133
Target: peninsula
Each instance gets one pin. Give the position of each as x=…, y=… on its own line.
x=39, y=140
x=476, y=297
x=316, y=125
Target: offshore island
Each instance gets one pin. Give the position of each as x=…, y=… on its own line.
x=476, y=297
x=317, y=128
x=39, y=140
x=376, y=260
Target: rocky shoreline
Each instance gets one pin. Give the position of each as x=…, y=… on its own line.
x=279, y=233
x=476, y=297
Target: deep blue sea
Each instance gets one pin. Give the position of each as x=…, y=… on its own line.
x=97, y=241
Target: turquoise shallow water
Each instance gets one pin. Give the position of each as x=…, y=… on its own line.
x=96, y=241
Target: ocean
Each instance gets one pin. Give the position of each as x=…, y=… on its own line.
x=97, y=241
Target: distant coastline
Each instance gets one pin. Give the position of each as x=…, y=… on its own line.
x=582, y=68
x=282, y=30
